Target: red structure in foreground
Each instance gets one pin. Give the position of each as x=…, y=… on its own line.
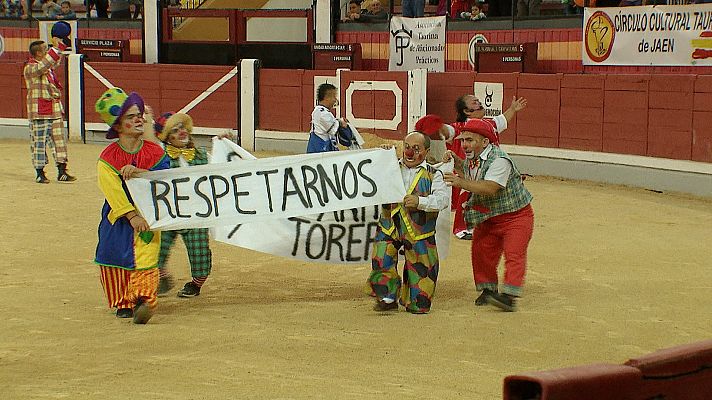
x=678, y=373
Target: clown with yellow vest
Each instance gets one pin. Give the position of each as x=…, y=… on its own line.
x=409, y=225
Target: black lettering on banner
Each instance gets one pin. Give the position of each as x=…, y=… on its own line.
x=370, y=234
x=299, y=222
x=351, y=240
x=177, y=198
x=288, y=175
x=203, y=196
x=156, y=197
x=310, y=184
x=376, y=212
x=310, y=235
x=335, y=185
x=267, y=185
x=216, y=195
x=232, y=155
x=349, y=166
x=366, y=177
x=233, y=231
x=237, y=194
x=334, y=239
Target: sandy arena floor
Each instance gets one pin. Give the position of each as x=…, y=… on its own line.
x=614, y=273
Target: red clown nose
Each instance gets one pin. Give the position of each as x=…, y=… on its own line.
x=409, y=153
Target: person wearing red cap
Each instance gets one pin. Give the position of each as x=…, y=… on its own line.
x=498, y=210
x=439, y=133
x=467, y=107
x=410, y=225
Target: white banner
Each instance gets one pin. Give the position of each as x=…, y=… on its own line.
x=266, y=189
x=648, y=35
x=334, y=237
x=491, y=95
x=417, y=43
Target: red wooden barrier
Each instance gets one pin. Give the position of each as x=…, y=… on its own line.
x=11, y=85
x=581, y=113
x=169, y=87
x=670, y=101
x=380, y=105
x=625, y=114
x=702, y=120
x=281, y=100
x=540, y=125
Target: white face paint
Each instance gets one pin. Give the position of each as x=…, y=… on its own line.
x=179, y=136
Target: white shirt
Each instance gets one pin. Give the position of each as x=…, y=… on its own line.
x=324, y=124
x=498, y=171
x=438, y=191
x=500, y=122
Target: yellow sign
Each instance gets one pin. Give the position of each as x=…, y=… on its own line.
x=599, y=36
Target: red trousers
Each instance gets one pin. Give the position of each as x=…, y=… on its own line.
x=509, y=234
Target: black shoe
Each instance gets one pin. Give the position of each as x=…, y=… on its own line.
x=65, y=177
x=124, y=313
x=189, y=290
x=482, y=299
x=142, y=312
x=41, y=178
x=165, y=284
x=383, y=306
x=501, y=300
x=62, y=175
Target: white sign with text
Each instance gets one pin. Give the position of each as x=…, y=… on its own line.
x=417, y=43
x=344, y=236
x=257, y=190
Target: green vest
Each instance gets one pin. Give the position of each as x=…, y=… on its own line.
x=512, y=198
x=418, y=224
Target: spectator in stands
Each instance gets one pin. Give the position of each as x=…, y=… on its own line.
x=413, y=8
x=137, y=6
x=474, y=14
x=499, y=8
x=353, y=10
x=101, y=7
x=375, y=13
x=120, y=9
x=526, y=8
x=66, y=11
x=457, y=7
x=50, y=9
x=12, y=9
x=571, y=8
x=627, y=3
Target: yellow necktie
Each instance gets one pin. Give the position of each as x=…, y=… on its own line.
x=175, y=152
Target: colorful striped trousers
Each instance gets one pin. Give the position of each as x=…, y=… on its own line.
x=125, y=287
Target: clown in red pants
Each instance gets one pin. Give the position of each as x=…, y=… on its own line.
x=509, y=234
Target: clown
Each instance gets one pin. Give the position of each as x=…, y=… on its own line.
x=127, y=252
x=498, y=210
x=411, y=225
x=174, y=130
